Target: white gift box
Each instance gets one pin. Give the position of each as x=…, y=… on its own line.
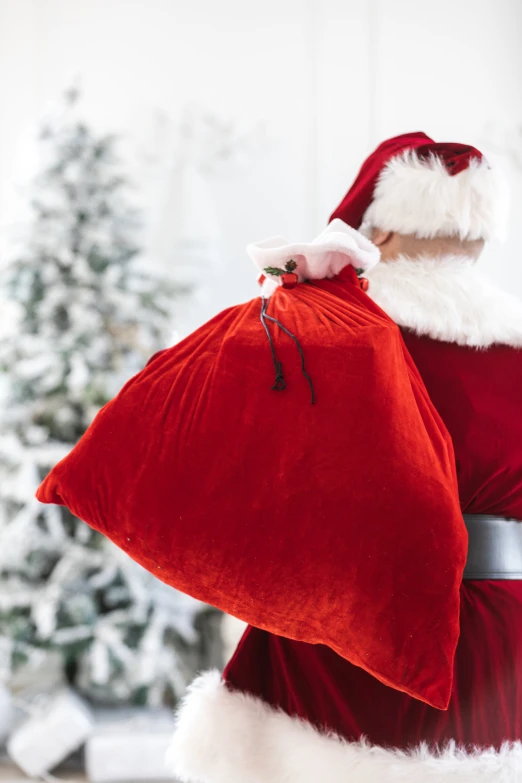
x=128, y=746
x=55, y=730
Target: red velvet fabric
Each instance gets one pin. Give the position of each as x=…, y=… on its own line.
x=336, y=523
x=313, y=683
x=478, y=395
x=456, y=158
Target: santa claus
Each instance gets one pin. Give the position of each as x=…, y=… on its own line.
x=290, y=712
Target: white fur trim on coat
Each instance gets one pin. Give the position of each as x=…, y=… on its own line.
x=336, y=247
x=420, y=197
x=447, y=299
x=224, y=736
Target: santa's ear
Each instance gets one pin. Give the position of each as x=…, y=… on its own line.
x=381, y=238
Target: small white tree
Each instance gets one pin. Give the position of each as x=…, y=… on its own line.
x=89, y=319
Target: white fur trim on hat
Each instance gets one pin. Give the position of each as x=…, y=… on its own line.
x=224, y=736
x=420, y=197
x=336, y=247
x=449, y=299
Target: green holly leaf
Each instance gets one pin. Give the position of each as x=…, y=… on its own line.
x=290, y=266
x=273, y=270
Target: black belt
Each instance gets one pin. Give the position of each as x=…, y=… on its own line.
x=495, y=547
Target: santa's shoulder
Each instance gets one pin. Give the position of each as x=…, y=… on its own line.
x=448, y=299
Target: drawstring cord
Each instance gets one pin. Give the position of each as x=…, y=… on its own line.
x=280, y=383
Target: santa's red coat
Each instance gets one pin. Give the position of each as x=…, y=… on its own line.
x=289, y=712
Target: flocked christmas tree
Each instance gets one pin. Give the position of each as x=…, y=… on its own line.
x=89, y=317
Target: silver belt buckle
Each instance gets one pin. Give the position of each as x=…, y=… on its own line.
x=494, y=549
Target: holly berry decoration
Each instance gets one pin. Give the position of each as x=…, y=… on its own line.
x=289, y=278
x=363, y=282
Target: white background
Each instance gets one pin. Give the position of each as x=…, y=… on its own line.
x=326, y=79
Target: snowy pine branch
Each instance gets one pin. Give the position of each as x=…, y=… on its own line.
x=89, y=317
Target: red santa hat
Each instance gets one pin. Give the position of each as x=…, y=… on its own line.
x=413, y=185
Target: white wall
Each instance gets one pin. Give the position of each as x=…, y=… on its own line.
x=327, y=78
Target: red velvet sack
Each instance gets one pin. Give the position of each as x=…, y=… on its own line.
x=334, y=523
